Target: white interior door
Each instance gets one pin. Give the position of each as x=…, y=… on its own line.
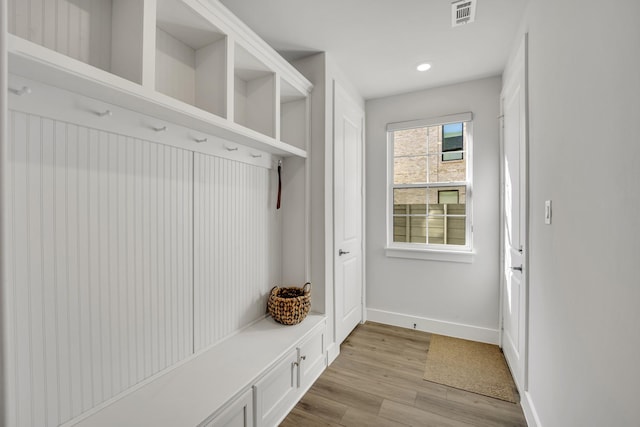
x=348, y=140
x=514, y=162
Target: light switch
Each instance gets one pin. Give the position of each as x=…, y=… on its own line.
x=547, y=212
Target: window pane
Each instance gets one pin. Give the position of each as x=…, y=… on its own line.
x=410, y=229
x=410, y=215
x=447, y=170
x=447, y=215
x=409, y=196
x=410, y=170
x=443, y=147
x=410, y=142
x=434, y=138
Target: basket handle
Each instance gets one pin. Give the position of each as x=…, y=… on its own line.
x=274, y=290
x=306, y=288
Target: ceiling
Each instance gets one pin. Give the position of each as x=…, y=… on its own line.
x=379, y=43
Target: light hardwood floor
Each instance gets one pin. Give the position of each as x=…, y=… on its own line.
x=377, y=381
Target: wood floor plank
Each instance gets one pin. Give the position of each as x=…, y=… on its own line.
x=357, y=418
x=299, y=417
x=327, y=409
x=379, y=388
x=377, y=381
x=347, y=395
x=413, y=416
x=477, y=416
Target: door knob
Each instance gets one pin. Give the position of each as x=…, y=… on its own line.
x=517, y=269
x=341, y=252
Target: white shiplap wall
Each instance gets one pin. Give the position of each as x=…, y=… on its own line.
x=232, y=240
x=100, y=267
x=127, y=256
x=79, y=29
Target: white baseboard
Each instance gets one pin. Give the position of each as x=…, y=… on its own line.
x=456, y=330
x=333, y=351
x=529, y=410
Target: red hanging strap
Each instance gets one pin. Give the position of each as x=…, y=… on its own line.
x=279, y=183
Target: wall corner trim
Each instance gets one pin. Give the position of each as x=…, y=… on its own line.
x=530, y=413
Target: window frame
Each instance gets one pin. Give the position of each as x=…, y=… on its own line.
x=433, y=251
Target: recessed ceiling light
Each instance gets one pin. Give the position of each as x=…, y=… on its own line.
x=423, y=67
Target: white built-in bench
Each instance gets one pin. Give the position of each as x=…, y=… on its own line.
x=253, y=378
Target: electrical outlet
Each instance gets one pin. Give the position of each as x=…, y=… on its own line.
x=547, y=212
x=415, y=325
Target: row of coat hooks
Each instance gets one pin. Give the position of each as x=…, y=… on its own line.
x=108, y=113
x=26, y=90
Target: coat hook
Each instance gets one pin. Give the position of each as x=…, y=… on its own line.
x=24, y=90
x=104, y=113
x=200, y=140
x=256, y=156
x=231, y=148
x=159, y=129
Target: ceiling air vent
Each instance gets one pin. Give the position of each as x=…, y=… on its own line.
x=462, y=12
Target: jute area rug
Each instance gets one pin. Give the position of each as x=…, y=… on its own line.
x=471, y=366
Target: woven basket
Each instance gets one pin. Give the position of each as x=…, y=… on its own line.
x=289, y=306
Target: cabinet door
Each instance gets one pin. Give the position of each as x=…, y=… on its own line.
x=276, y=392
x=312, y=359
x=239, y=414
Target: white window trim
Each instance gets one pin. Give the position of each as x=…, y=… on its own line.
x=451, y=253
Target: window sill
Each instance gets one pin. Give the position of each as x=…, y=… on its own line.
x=431, y=254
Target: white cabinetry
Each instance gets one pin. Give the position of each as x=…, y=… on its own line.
x=238, y=414
x=278, y=391
x=312, y=360
x=201, y=391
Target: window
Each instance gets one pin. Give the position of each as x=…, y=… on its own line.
x=452, y=142
x=430, y=184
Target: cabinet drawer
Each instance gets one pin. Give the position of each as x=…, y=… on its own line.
x=238, y=414
x=276, y=392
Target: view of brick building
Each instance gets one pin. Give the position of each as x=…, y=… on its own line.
x=430, y=211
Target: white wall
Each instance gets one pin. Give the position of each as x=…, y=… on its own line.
x=584, y=151
x=453, y=298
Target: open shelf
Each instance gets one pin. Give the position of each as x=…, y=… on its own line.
x=190, y=58
x=106, y=34
x=177, y=60
x=293, y=115
x=254, y=93
x=43, y=65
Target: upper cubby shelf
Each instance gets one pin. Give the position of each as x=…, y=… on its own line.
x=185, y=61
x=190, y=58
x=106, y=34
x=254, y=93
x=293, y=115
